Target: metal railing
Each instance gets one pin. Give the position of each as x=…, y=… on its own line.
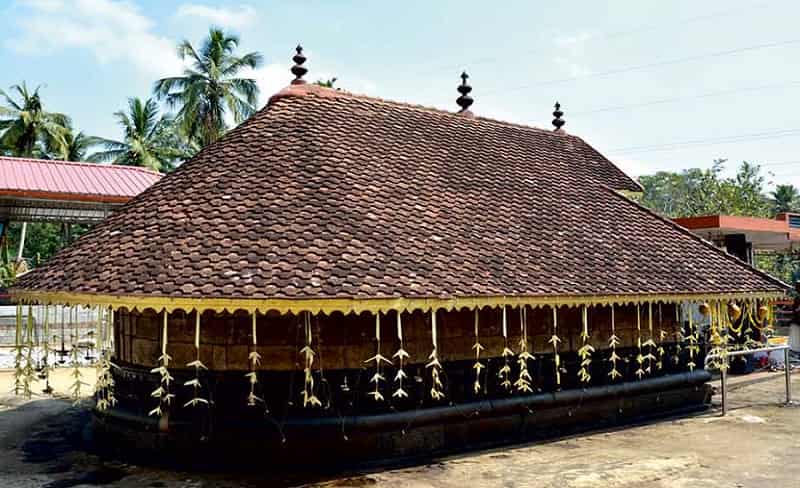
x=724, y=371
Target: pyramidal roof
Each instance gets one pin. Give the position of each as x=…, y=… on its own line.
x=325, y=194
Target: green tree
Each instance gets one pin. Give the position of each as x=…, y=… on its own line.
x=784, y=199
x=26, y=128
x=149, y=140
x=694, y=192
x=76, y=147
x=210, y=89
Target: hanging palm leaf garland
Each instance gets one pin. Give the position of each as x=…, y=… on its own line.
x=254, y=359
x=162, y=392
x=650, y=343
x=523, y=383
x=661, y=337
x=478, y=366
x=507, y=353
x=309, y=396
x=46, y=350
x=27, y=369
x=401, y=355
x=378, y=359
x=105, y=380
x=555, y=340
x=680, y=339
x=750, y=307
x=197, y=365
x=639, y=356
x=613, y=342
x=434, y=364
x=77, y=377
x=715, y=334
x=18, y=356
x=694, y=339
x=586, y=350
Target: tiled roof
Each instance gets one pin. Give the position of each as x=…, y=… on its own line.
x=326, y=194
x=62, y=180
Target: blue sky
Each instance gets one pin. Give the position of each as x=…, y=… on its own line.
x=652, y=84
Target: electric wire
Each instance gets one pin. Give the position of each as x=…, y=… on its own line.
x=647, y=66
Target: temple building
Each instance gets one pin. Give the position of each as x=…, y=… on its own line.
x=343, y=277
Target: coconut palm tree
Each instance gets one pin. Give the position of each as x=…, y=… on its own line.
x=26, y=128
x=785, y=198
x=76, y=146
x=149, y=140
x=209, y=89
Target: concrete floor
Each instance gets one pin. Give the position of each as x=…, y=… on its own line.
x=43, y=443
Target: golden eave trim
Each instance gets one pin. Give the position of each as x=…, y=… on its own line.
x=357, y=305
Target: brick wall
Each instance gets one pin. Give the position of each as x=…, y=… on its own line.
x=345, y=341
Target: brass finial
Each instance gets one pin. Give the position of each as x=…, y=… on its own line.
x=298, y=70
x=464, y=101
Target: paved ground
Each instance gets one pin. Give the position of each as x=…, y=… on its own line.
x=42, y=443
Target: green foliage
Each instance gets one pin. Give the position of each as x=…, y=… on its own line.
x=26, y=128
x=784, y=266
x=42, y=239
x=209, y=89
x=694, y=192
x=8, y=268
x=149, y=140
x=76, y=146
x=785, y=198
x=327, y=83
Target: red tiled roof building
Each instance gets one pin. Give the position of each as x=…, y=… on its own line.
x=376, y=267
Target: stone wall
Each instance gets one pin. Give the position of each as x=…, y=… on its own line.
x=345, y=341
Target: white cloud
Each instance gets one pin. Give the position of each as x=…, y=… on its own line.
x=113, y=31
x=238, y=17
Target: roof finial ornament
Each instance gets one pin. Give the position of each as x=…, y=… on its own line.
x=464, y=101
x=298, y=70
x=558, y=122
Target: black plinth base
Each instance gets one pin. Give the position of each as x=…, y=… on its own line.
x=407, y=435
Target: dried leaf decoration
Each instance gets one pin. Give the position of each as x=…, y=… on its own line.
x=554, y=340
x=401, y=355
x=378, y=359
x=680, y=339
x=18, y=356
x=162, y=392
x=77, y=377
x=523, y=383
x=104, y=387
x=197, y=365
x=507, y=353
x=586, y=350
x=719, y=342
x=254, y=359
x=639, y=356
x=650, y=343
x=478, y=366
x=48, y=367
x=433, y=363
x=613, y=342
x=28, y=370
x=693, y=338
x=309, y=396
